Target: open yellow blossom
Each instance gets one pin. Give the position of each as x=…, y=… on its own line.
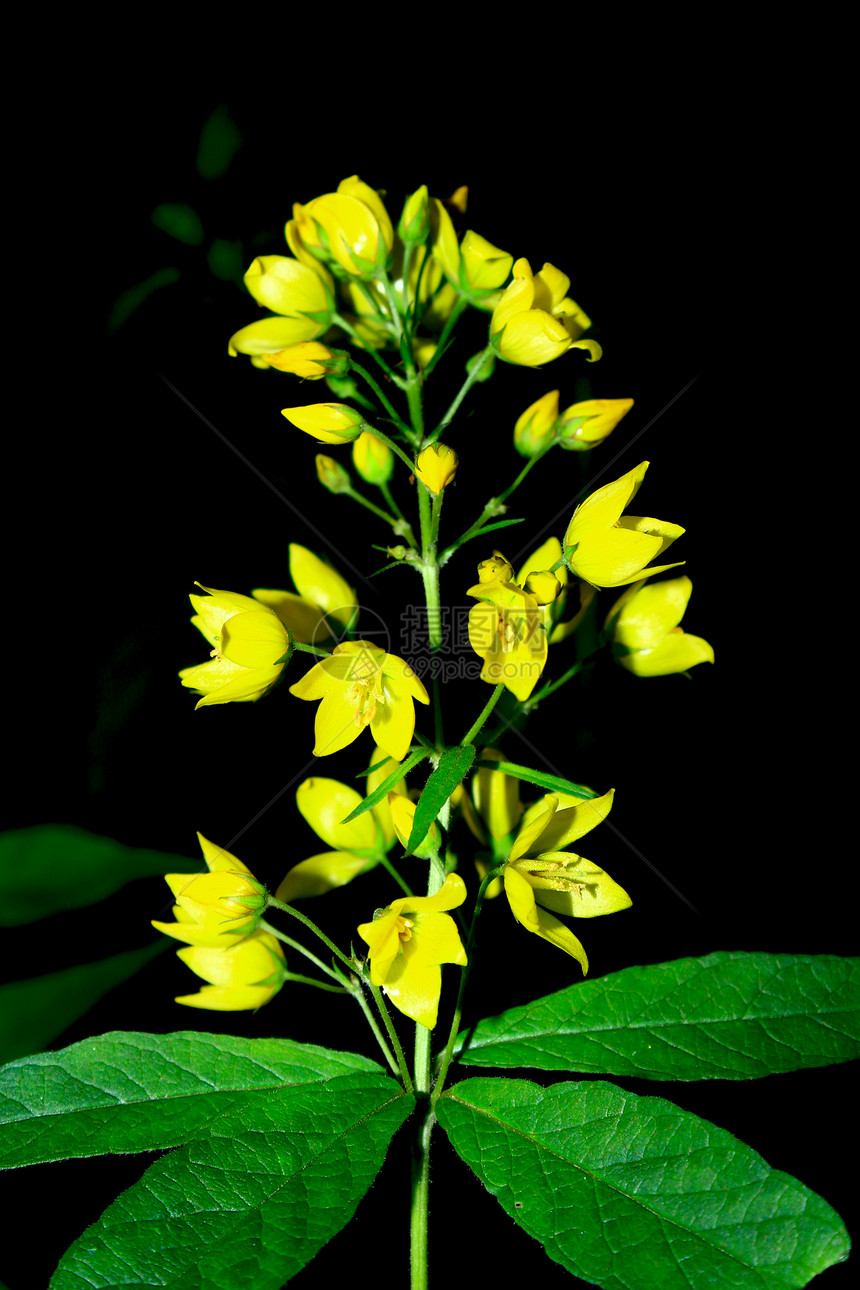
x=360, y=685
x=536, y=321
x=648, y=639
x=507, y=630
x=303, y=296
x=409, y=940
x=475, y=268
x=609, y=549
x=325, y=602
x=249, y=648
x=349, y=230
x=216, y=908
x=357, y=846
x=540, y=875
x=243, y=977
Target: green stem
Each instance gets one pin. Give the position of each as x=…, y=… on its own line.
x=464, y=977
x=393, y=306
x=381, y=395
x=294, y=913
x=420, y=1204
x=392, y=1035
x=458, y=309
x=377, y=358
x=321, y=985
x=430, y=570
x=402, y=884
x=299, y=948
x=358, y=995
x=371, y=506
x=492, y=507
x=392, y=445
x=477, y=367
x=487, y=709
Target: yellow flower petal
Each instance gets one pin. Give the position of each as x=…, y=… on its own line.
x=319, y=582
x=324, y=803
x=521, y=898
x=321, y=873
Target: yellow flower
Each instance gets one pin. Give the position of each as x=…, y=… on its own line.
x=350, y=230
x=324, y=603
x=409, y=940
x=332, y=475
x=357, y=846
x=249, y=648
x=243, y=977
x=541, y=876
x=646, y=631
x=436, y=466
x=360, y=685
x=535, y=321
x=215, y=908
x=535, y=426
x=476, y=269
x=327, y=422
x=373, y=459
x=584, y=425
x=507, y=630
x=302, y=294
x=310, y=360
x=611, y=549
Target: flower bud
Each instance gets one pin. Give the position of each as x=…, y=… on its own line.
x=415, y=221
x=535, y=426
x=310, y=360
x=327, y=422
x=496, y=569
x=436, y=466
x=373, y=459
x=584, y=425
x=482, y=265
x=332, y=475
x=544, y=586
x=647, y=637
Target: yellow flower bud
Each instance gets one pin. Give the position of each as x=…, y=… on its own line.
x=288, y=287
x=535, y=426
x=372, y=458
x=458, y=199
x=483, y=265
x=216, y=908
x=249, y=648
x=310, y=360
x=436, y=466
x=415, y=221
x=648, y=639
x=332, y=475
x=535, y=321
x=544, y=586
x=327, y=422
x=349, y=230
x=584, y=425
x=495, y=569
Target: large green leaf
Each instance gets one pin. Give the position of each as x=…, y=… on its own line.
x=59, y=866
x=133, y=1092
x=453, y=767
x=34, y=1012
x=252, y=1201
x=636, y=1193
x=730, y=1015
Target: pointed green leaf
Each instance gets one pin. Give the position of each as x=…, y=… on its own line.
x=136, y=1092
x=730, y=1015
x=220, y=140
x=634, y=1193
x=179, y=220
x=386, y=786
x=499, y=524
x=34, y=1012
x=252, y=1201
x=454, y=765
x=552, y=783
x=59, y=866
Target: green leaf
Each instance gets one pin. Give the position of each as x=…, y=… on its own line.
x=133, y=297
x=251, y=1202
x=552, y=783
x=454, y=765
x=730, y=1015
x=179, y=220
x=500, y=524
x=220, y=140
x=634, y=1192
x=386, y=786
x=136, y=1092
x=34, y=1012
x=59, y=866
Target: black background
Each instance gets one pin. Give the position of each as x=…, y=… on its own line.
x=128, y=496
